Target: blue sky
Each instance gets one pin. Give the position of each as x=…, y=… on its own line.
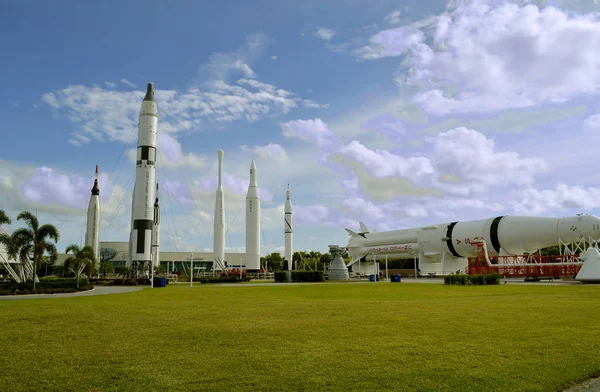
x=395, y=113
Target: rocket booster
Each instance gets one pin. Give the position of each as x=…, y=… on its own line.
x=219, y=224
x=252, y=259
x=145, y=173
x=92, y=232
x=503, y=235
x=288, y=228
x=156, y=232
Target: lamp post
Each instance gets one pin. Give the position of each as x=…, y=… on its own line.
x=192, y=270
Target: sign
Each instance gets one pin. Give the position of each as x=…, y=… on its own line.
x=107, y=253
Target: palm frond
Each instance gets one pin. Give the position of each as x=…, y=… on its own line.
x=32, y=220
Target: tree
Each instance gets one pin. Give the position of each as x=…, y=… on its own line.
x=274, y=261
x=34, y=241
x=106, y=267
x=123, y=271
x=82, y=260
x=4, y=219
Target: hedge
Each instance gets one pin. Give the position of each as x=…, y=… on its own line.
x=46, y=285
x=477, y=280
x=307, y=276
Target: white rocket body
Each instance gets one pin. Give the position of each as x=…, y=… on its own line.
x=252, y=260
x=156, y=232
x=445, y=247
x=145, y=173
x=219, y=224
x=288, y=229
x=92, y=232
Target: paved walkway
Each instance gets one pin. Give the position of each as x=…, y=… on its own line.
x=98, y=290
x=592, y=385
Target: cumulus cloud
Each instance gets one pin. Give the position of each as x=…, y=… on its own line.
x=386, y=125
x=562, y=197
x=324, y=33
x=271, y=150
x=314, y=131
x=486, y=56
x=47, y=186
x=390, y=43
x=475, y=162
x=310, y=215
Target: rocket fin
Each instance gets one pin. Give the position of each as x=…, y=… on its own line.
x=363, y=228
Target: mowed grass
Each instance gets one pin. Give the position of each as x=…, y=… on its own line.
x=345, y=337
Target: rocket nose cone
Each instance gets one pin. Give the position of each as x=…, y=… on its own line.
x=149, y=93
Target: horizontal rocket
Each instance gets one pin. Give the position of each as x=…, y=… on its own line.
x=447, y=242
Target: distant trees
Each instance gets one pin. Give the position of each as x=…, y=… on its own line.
x=313, y=260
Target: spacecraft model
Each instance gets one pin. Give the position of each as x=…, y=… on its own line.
x=252, y=259
x=288, y=251
x=145, y=173
x=219, y=224
x=92, y=232
x=451, y=243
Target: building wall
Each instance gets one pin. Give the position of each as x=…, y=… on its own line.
x=117, y=251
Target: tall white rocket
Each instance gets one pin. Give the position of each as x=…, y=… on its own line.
x=288, y=228
x=145, y=173
x=92, y=232
x=219, y=228
x=156, y=232
x=252, y=260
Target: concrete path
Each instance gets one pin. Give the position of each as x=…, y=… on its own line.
x=592, y=385
x=98, y=290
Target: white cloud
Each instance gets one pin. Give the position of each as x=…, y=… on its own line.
x=325, y=33
x=274, y=58
x=390, y=43
x=127, y=83
x=314, y=131
x=272, y=150
x=232, y=184
x=496, y=55
x=393, y=18
x=592, y=122
x=112, y=115
x=561, y=197
x=110, y=84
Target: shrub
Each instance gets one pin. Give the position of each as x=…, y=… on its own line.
x=130, y=282
x=307, y=276
x=476, y=280
x=280, y=276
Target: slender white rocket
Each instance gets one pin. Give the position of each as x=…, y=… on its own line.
x=252, y=259
x=145, y=173
x=219, y=224
x=288, y=228
x=92, y=232
x=156, y=232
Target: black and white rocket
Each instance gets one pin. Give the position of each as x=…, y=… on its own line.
x=156, y=232
x=145, y=173
x=92, y=232
x=252, y=260
x=219, y=224
x=288, y=229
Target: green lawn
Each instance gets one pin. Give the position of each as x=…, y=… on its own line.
x=305, y=337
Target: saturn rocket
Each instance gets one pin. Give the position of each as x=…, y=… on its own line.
x=288, y=229
x=145, y=173
x=252, y=259
x=92, y=232
x=219, y=228
x=156, y=232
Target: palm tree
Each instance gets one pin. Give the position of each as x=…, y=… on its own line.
x=4, y=219
x=106, y=267
x=34, y=240
x=82, y=260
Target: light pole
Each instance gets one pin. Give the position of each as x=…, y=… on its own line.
x=192, y=270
